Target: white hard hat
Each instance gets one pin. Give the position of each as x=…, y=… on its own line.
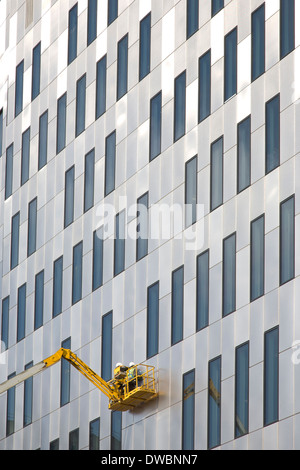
x=118, y=364
x=131, y=364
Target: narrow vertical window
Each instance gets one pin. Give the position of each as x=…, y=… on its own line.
x=258, y=42
x=216, y=177
x=28, y=398
x=97, y=258
x=216, y=6
x=25, y=156
x=21, y=313
x=179, y=106
x=1, y=131
x=116, y=430
x=241, y=390
x=72, y=40
x=43, y=140
x=188, y=411
x=110, y=163
x=101, y=87
x=106, y=349
x=287, y=240
x=119, y=258
x=192, y=14
x=19, y=88
x=39, y=300
x=15, y=234
x=94, y=435
x=257, y=258
x=65, y=375
x=244, y=154
x=10, y=410
x=32, y=226
x=36, y=71
x=152, y=320
x=272, y=134
x=92, y=21
x=177, y=305
x=9, y=171
x=230, y=82
x=142, y=227
x=287, y=27
x=54, y=445
x=155, y=126
x=80, y=105
x=214, y=403
x=229, y=275
x=89, y=180
x=204, y=96
x=69, y=196
x=77, y=273
x=191, y=192
x=112, y=11
x=4, y=324
x=61, y=123
x=202, y=291
x=145, y=46
x=74, y=439
x=122, y=73
x=57, y=286
x=271, y=374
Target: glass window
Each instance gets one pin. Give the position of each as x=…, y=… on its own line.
x=177, y=305
x=4, y=324
x=257, y=260
x=230, y=61
x=287, y=27
x=145, y=46
x=142, y=227
x=204, y=97
x=258, y=42
x=39, y=300
x=241, y=390
x=116, y=430
x=112, y=11
x=94, y=439
x=229, y=274
x=216, y=183
x=61, y=122
x=25, y=157
x=192, y=14
x=106, y=350
x=89, y=180
x=9, y=171
x=92, y=21
x=244, y=154
x=287, y=240
x=65, y=376
x=54, y=445
x=214, y=403
x=179, y=106
x=122, y=67
x=74, y=439
x=69, y=196
x=77, y=273
x=155, y=126
x=271, y=366
x=1, y=130
x=10, y=410
x=28, y=397
x=188, y=411
x=202, y=291
x=15, y=233
x=110, y=163
x=36, y=71
x=80, y=105
x=43, y=140
x=101, y=87
x=216, y=6
x=191, y=192
x=21, y=313
x=119, y=258
x=97, y=258
x=72, y=41
x=32, y=226
x=57, y=286
x=19, y=88
x=272, y=134
x=152, y=320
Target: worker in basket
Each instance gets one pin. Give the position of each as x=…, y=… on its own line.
x=134, y=377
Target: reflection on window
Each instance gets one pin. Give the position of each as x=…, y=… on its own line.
x=241, y=390
x=145, y=46
x=202, y=290
x=229, y=275
x=204, y=103
x=216, y=178
x=155, y=126
x=287, y=27
x=116, y=430
x=244, y=154
x=258, y=42
x=180, y=106
x=106, y=350
x=272, y=134
x=177, y=305
x=152, y=320
x=271, y=365
x=188, y=411
x=122, y=73
x=72, y=44
x=214, y=403
x=230, y=64
x=257, y=261
x=287, y=240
